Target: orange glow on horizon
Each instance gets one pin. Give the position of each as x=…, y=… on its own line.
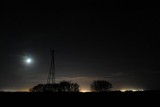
x=84, y=90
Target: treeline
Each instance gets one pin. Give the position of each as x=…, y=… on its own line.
x=67, y=86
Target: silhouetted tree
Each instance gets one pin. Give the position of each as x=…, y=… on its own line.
x=51, y=88
x=37, y=88
x=67, y=86
x=75, y=87
x=100, y=86
x=63, y=86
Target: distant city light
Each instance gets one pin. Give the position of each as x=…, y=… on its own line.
x=84, y=91
x=122, y=90
x=9, y=90
x=133, y=90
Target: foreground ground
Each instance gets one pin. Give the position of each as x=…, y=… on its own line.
x=110, y=99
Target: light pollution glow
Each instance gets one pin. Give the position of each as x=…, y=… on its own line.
x=133, y=90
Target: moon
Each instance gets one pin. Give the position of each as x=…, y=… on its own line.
x=28, y=60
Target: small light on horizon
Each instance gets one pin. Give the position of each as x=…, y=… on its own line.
x=10, y=90
x=123, y=90
x=133, y=90
x=84, y=91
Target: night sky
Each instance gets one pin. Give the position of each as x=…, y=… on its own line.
x=94, y=40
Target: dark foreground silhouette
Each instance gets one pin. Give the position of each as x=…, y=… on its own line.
x=76, y=99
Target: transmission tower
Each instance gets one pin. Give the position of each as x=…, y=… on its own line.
x=51, y=74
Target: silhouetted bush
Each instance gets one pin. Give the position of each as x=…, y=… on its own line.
x=100, y=86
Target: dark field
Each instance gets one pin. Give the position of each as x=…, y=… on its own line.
x=109, y=99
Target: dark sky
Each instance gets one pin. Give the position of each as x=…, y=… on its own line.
x=118, y=42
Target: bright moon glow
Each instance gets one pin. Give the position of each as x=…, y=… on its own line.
x=28, y=60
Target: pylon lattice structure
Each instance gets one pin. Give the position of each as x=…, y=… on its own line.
x=51, y=74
